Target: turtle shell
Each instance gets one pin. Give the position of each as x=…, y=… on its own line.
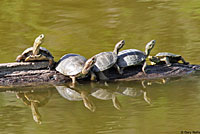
x=71, y=64
x=43, y=51
x=130, y=57
x=166, y=54
x=104, y=61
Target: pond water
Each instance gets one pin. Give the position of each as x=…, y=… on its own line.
x=87, y=28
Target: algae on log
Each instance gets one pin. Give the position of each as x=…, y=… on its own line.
x=30, y=73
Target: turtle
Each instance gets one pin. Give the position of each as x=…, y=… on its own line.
x=106, y=60
x=134, y=57
x=166, y=58
x=76, y=95
x=37, y=53
x=75, y=65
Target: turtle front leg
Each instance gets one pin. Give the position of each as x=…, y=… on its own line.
x=184, y=62
x=73, y=81
x=93, y=76
x=144, y=67
x=32, y=57
x=167, y=61
x=120, y=71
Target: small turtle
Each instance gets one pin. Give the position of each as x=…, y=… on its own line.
x=166, y=58
x=74, y=65
x=106, y=60
x=133, y=57
x=37, y=53
x=76, y=95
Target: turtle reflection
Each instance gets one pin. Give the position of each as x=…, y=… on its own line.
x=76, y=95
x=35, y=100
x=133, y=91
x=104, y=92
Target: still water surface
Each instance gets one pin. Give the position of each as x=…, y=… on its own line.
x=87, y=28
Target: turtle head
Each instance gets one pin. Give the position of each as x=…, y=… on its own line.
x=149, y=47
x=88, y=65
x=118, y=46
x=154, y=59
x=39, y=40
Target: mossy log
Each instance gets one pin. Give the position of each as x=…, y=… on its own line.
x=30, y=73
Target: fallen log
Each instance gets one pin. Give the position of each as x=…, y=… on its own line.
x=30, y=73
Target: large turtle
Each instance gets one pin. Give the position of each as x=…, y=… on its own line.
x=133, y=57
x=106, y=60
x=37, y=53
x=74, y=65
x=76, y=95
x=166, y=58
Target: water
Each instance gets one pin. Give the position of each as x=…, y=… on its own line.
x=90, y=27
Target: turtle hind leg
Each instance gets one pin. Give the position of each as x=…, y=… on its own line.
x=52, y=64
x=167, y=61
x=102, y=76
x=184, y=62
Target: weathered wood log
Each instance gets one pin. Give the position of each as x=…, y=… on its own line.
x=30, y=73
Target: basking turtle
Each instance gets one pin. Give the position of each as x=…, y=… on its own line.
x=37, y=53
x=74, y=65
x=76, y=95
x=133, y=57
x=166, y=58
x=106, y=60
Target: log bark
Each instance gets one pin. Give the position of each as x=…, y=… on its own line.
x=30, y=73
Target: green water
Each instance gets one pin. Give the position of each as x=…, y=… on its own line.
x=87, y=28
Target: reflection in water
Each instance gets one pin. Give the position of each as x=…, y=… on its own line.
x=76, y=95
x=103, y=93
x=35, y=100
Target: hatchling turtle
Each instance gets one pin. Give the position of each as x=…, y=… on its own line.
x=166, y=58
x=74, y=65
x=133, y=57
x=106, y=60
x=37, y=53
x=76, y=95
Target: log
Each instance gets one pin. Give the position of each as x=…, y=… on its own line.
x=31, y=73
